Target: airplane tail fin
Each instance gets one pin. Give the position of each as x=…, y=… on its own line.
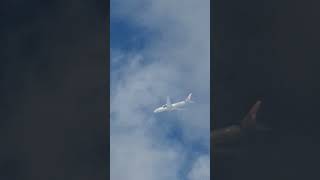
x=249, y=120
x=188, y=99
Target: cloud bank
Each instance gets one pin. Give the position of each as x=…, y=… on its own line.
x=175, y=62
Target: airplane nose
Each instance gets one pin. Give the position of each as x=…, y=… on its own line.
x=155, y=111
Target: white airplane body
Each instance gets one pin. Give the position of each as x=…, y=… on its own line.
x=175, y=106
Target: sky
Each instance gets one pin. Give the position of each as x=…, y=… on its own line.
x=159, y=49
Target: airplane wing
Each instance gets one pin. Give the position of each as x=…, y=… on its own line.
x=169, y=102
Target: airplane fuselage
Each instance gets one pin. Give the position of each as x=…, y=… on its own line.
x=179, y=104
x=226, y=135
x=234, y=139
x=233, y=135
x=173, y=106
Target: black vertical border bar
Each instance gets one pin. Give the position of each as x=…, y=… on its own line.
x=41, y=135
x=108, y=16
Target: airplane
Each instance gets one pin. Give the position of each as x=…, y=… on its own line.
x=247, y=130
x=175, y=106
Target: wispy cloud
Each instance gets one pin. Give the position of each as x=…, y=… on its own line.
x=175, y=62
x=200, y=169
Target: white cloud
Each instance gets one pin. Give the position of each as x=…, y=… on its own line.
x=200, y=169
x=175, y=63
x=135, y=157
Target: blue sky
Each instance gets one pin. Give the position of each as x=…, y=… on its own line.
x=159, y=48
